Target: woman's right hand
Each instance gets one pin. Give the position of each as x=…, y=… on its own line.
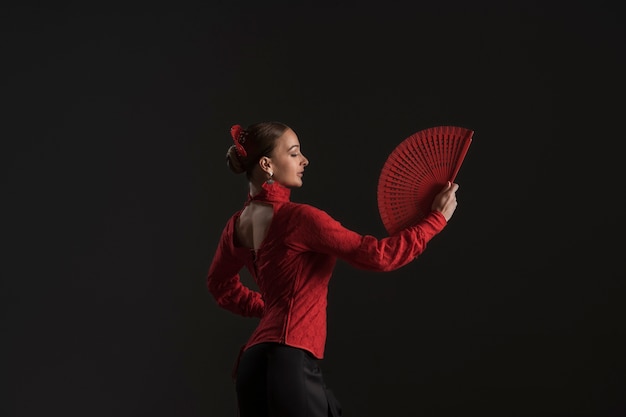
x=445, y=201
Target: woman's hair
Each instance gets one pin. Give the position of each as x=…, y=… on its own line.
x=258, y=140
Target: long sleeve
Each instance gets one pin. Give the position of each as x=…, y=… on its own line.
x=321, y=233
x=224, y=281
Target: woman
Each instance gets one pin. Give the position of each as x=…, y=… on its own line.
x=290, y=250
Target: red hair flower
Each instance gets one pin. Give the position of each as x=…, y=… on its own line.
x=239, y=137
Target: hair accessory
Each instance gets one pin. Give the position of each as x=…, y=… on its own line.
x=416, y=171
x=239, y=137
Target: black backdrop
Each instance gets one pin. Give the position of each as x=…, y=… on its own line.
x=115, y=190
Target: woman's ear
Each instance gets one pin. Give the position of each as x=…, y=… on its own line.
x=265, y=163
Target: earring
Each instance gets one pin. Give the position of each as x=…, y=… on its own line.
x=270, y=180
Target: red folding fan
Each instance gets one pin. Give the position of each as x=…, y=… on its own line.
x=416, y=170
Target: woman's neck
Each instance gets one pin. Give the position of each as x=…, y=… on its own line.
x=255, y=188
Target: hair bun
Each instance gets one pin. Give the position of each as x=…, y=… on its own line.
x=239, y=134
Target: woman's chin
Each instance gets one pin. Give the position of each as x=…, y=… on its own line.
x=294, y=184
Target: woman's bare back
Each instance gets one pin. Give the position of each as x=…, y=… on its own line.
x=253, y=224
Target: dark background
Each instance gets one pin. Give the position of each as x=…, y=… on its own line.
x=115, y=189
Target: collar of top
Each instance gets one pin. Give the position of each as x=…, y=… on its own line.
x=272, y=193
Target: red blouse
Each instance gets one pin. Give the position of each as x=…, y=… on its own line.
x=293, y=266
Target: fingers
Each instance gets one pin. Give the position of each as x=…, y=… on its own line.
x=452, y=191
x=450, y=186
x=445, y=201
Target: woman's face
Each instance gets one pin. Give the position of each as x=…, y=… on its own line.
x=287, y=160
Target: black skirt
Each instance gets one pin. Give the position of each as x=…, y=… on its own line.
x=275, y=380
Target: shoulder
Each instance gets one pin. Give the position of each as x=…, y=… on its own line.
x=230, y=224
x=307, y=212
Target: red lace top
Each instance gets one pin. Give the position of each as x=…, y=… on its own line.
x=293, y=266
